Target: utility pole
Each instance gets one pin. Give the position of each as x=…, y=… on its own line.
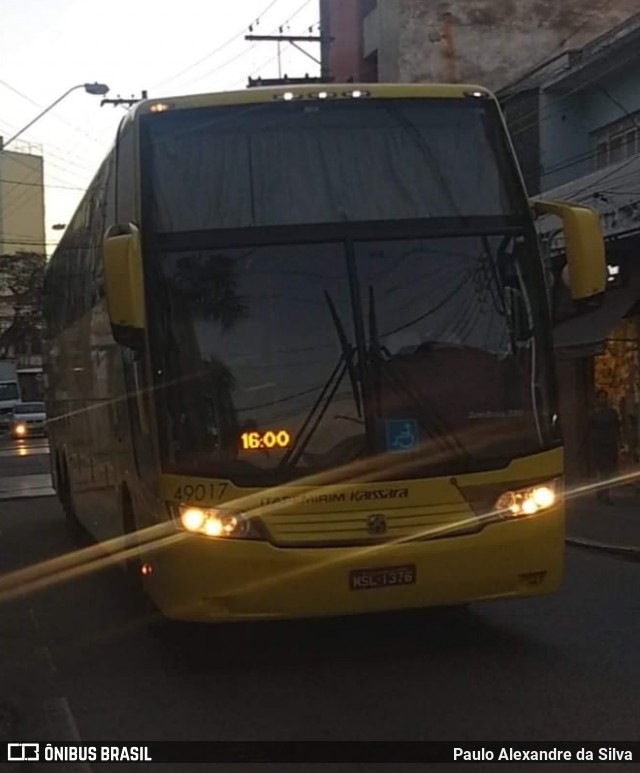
x=325, y=41
x=322, y=38
x=122, y=101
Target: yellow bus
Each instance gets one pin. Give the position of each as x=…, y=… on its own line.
x=300, y=354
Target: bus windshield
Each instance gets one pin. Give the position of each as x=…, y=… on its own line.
x=324, y=162
x=280, y=360
x=338, y=282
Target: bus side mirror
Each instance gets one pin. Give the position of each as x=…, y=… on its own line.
x=124, y=287
x=584, y=246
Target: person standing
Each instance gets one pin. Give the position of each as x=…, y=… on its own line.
x=604, y=440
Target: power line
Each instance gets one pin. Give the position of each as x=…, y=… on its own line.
x=21, y=162
x=225, y=64
x=570, y=161
x=46, y=148
x=605, y=176
x=221, y=47
x=59, y=118
x=293, y=40
x=42, y=185
x=536, y=114
x=240, y=54
x=269, y=61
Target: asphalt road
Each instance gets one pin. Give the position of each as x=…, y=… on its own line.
x=82, y=662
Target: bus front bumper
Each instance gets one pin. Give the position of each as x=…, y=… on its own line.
x=219, y=580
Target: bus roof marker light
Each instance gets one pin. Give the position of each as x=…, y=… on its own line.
x=159, y=107
x=288, y=96
x=477, y=94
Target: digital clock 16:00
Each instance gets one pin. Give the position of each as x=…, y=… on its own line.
x=269, y=439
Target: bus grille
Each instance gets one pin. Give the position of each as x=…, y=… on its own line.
x=370, y=526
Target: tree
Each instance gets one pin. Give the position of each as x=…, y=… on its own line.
x=21, y=295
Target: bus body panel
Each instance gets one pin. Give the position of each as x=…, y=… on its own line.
x=196, y=580
x=229, y=579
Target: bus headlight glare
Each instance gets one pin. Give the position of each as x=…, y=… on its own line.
x=20, y=429
x=214, y=523
x=527, y=501
x=212, y=527
x=193, y=519
x=544, y=496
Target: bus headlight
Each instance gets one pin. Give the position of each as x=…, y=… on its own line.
x=20, y=429
x=217, y=523
x=528, y=501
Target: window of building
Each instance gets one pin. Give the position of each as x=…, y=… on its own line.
x=617, y=141
x=602, y=155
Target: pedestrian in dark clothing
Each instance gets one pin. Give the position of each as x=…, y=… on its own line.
x=604, y=441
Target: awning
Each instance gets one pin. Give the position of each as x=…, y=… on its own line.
x=585, y=335
x=614, y=192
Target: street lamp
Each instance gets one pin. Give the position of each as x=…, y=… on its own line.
x=90, y=88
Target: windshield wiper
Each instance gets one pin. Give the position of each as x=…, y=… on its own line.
x=348, y=350
x=380, y=357
x=343, y=366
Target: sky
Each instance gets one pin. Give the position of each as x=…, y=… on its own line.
x=167, y=47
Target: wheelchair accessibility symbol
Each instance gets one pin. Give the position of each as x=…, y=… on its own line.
x=401, y=434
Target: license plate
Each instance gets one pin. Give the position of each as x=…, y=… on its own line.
x=387, y=577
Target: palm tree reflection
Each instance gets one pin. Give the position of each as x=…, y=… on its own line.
x=199, y=294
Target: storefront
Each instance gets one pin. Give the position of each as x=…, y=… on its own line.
x=600, y=349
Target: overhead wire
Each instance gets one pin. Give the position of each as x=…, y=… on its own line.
x=215, y=51
x=518, y=127
x=53, y=114
x=218, y=68
x=42, y=185
x=276, y=56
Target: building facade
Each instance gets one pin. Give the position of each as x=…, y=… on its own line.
x=21, y=202
x=575, y=124
x=22, y=230
x=489, y=42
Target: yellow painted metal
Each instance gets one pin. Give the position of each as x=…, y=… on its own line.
x=288, y=575
x=584, y=244
x=124, y=279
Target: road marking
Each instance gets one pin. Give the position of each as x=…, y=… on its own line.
x=24, y=452
x=22, y=486
x=63, y=730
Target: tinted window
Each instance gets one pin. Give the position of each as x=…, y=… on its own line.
x=350, y=349
x=323, y=162
x=30, y=408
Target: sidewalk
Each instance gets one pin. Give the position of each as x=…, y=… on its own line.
x=595, y=524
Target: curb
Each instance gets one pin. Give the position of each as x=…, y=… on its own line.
x=12, y=496
x=619, y=550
